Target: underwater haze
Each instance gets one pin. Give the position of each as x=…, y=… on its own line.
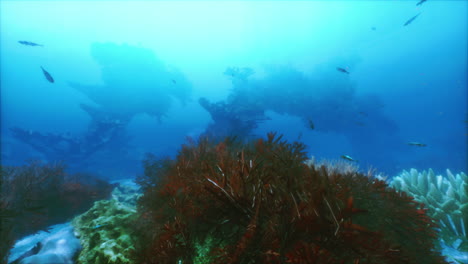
x=98, y=84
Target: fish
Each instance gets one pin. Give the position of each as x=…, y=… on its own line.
x=347, y=157
x=411, y=20
x=29, y=43
x=47, y=229
x=421, y=2
x=174, y=81
x=35, y=208
x=311, y=124
x=99, y=226
x=373, y=28
x=360, y=123
x=47, y=75
x=343, y=70
x=417, y=144
x=299, y=136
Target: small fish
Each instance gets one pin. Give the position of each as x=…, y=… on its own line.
x=373, y=28
x=346, y=157
x=343, y=70
x=29, y=43
x=363, y=113
x=173, y=81
x=411, y=20
x=421, y=2
x=35, y=208
x=99, y=226
x=359, y=123
x=311, y=124
x=47, y=75
x=417, y=144
x=47, y=229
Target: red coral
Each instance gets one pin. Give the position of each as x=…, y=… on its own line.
x=261, y=203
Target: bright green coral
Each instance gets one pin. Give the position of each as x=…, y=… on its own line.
x=446, y=199
x=104, y=232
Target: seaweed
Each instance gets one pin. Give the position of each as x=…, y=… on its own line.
x=260, y=202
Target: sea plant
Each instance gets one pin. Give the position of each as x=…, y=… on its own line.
x=260, y=203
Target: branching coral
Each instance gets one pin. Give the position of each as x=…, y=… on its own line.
x=446, y=199
x=260, y=203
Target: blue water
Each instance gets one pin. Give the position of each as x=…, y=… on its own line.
x=145, y=66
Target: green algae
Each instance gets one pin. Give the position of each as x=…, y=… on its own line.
x=105, y=233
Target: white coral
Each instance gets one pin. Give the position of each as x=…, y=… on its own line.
x=445, y=197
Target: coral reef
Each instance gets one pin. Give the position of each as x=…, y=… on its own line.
x=29, y=245
x=335, y=166
x=36, y=195
x=127, y=193
x=260, y=203
x=58, y=247
x=446, y=199
x=105, y=229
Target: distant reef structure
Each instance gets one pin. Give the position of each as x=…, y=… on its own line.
x=105, y=132
x=135, y=81
x=325, y=102
x=232, y=119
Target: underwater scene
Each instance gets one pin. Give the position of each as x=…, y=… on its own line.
x=180, y=132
